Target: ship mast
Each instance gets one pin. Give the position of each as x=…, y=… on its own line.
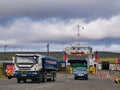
x=78, y=33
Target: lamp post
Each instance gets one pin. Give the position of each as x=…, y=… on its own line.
x=48, y=49
x=5, y=48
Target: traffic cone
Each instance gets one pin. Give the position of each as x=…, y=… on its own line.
x=96, y=74
x=115, y=79
x=107, y=76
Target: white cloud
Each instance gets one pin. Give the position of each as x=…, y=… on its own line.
x=54, y=30
x=103, y=28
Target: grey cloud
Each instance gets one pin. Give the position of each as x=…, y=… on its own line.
x=87, y=9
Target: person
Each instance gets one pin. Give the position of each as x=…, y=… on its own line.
x=91, y=70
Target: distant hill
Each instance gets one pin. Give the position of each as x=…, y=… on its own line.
x=59, y=55
x=9, y=55
x=108, y=55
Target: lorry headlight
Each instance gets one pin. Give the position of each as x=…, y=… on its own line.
x=16, y=72
x=35, y=73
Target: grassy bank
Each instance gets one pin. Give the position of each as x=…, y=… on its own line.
x=2, y=76
x=111, y=60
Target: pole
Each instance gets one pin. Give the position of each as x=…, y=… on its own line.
x=48, y=49
x=78, y=34
x=5, y=47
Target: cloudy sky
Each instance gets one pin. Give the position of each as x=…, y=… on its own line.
x=31, y=24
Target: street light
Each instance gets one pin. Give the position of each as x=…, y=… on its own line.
x=48, y=48
x=5, y=47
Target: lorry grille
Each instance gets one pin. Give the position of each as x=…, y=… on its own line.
x=24, y=69
x=23, y=72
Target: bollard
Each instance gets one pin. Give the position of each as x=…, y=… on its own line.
x=71, y=70
x=106, y=76
x=114, y=77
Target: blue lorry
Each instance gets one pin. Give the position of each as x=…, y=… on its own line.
x=36, y=67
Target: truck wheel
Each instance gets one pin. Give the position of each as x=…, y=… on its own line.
x=75, y=78
x=44, y=79
x=39, y=80
x=53, y=77
x=24, y=80
x=86, y=78
x=18, y=80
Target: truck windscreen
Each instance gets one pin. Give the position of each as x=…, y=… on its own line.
x=24, y=59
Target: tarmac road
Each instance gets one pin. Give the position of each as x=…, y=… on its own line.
x=63, y=82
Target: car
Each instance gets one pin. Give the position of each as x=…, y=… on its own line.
x=81, y=73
